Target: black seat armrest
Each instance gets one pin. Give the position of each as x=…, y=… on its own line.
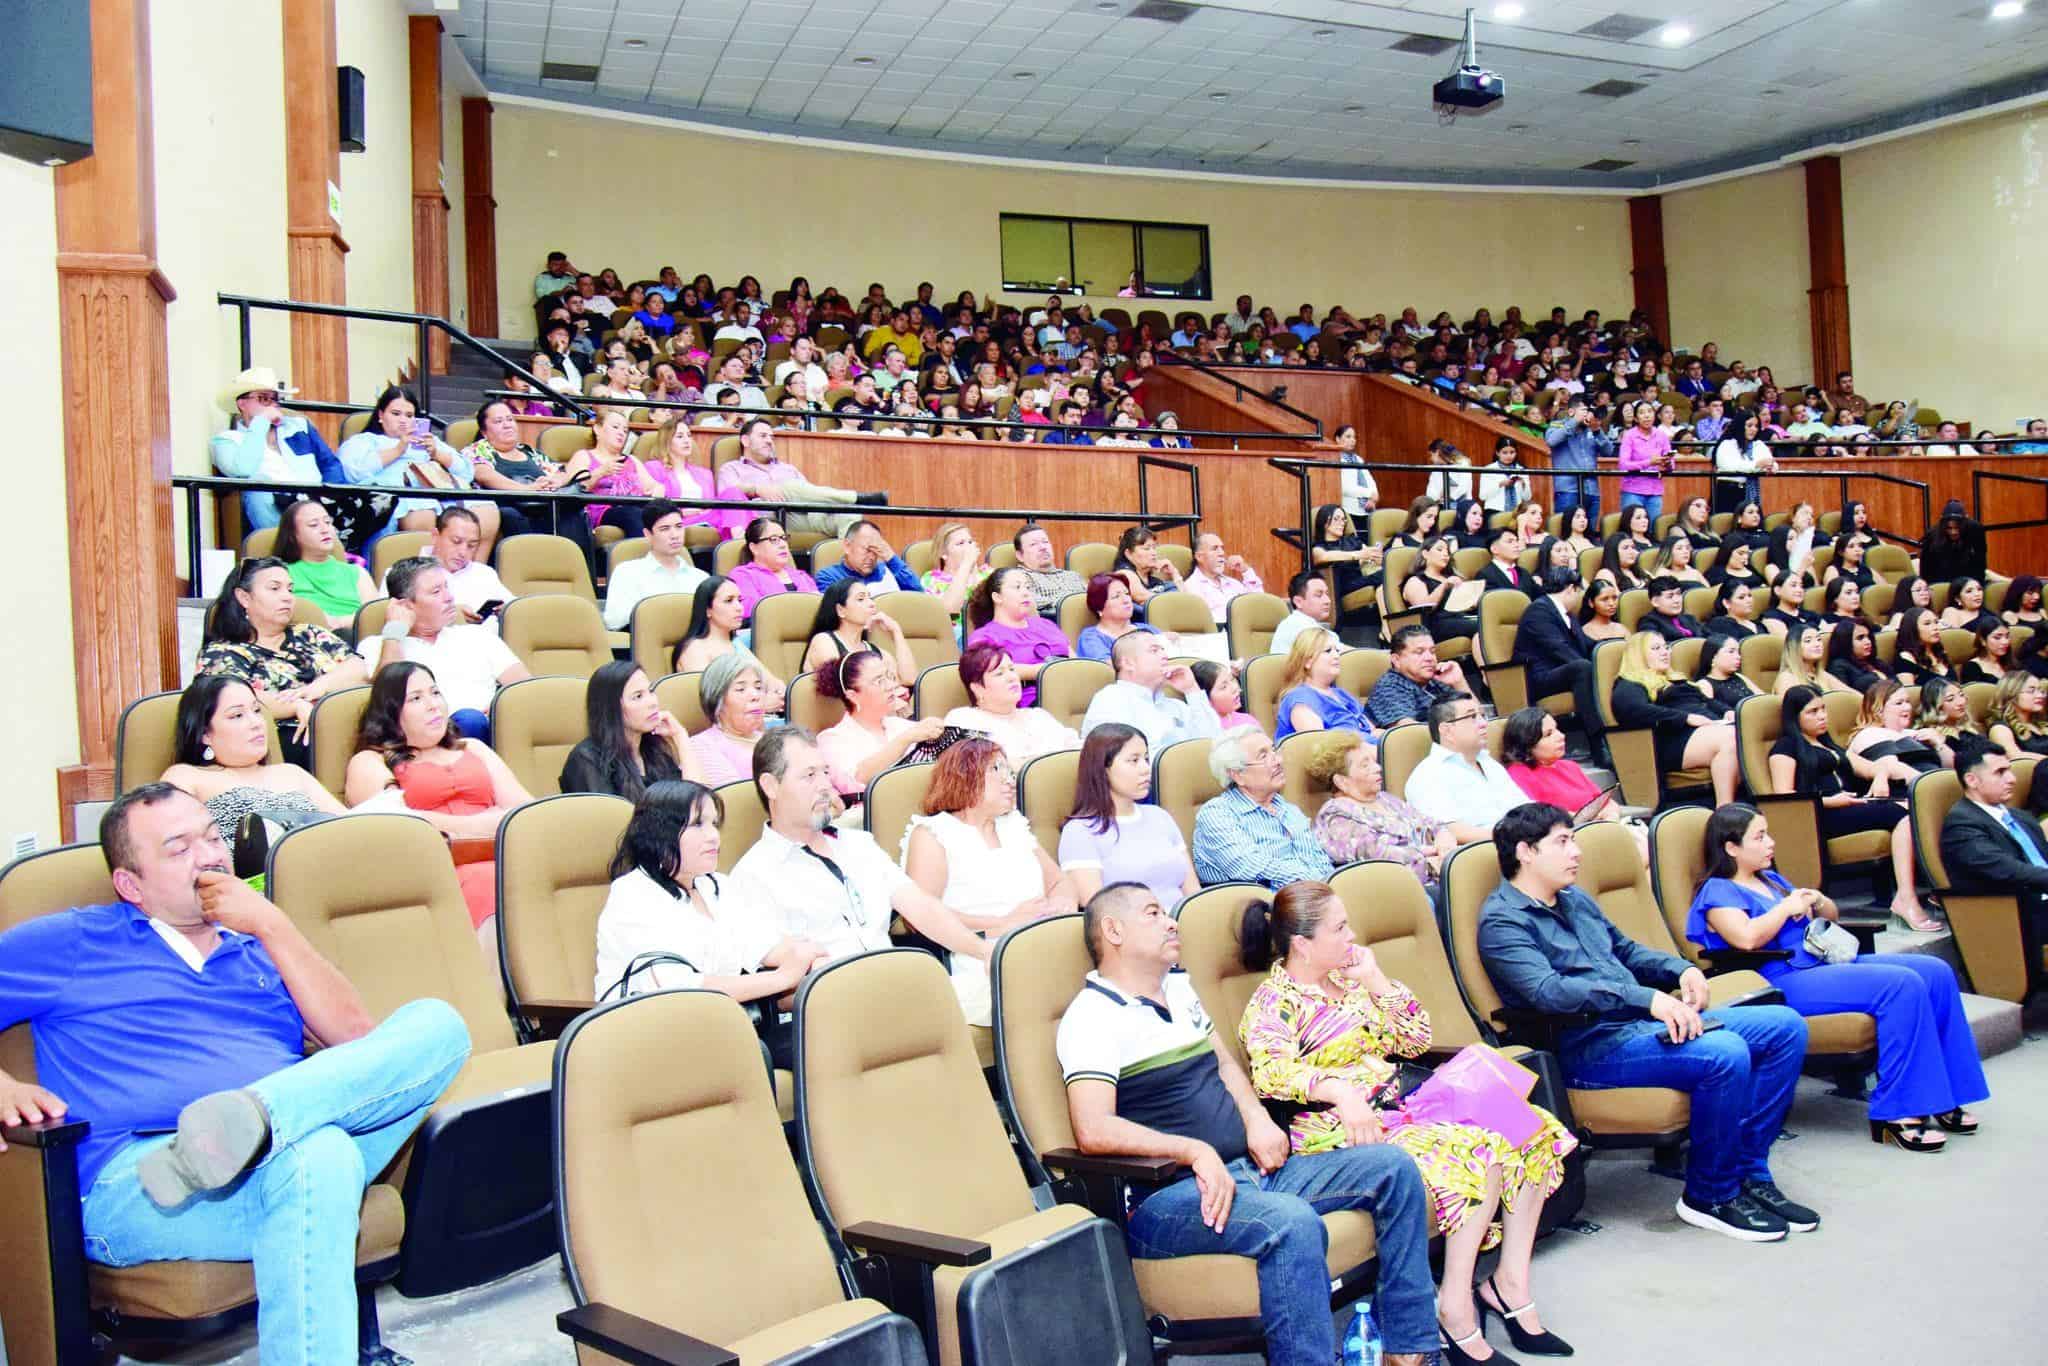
x=551, y=1017
x=915, y=1244
x=1741, y=960
x=639, y=1341
x=1537, y=1028
x=1142, y=1171
x=46, y=1133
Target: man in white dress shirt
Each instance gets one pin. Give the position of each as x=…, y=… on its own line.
x=1458, y=782
x=665, y=568
x=472, y=582
x=1138, y=697
x=1218, y=577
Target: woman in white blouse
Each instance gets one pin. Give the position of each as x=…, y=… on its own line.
x=994, y=691
x=669, y=921
x=1737, y=461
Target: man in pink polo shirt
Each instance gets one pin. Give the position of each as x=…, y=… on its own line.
x=759, y=474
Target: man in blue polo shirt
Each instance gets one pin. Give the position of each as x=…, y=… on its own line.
x=865, y=555
x=1145, y=1078
x=174, y=1021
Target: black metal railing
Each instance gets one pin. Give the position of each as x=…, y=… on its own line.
x=1979, y=478
x=1239, y=389
x=1147, y=463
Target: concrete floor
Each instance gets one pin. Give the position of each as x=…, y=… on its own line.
x=1919, y=1258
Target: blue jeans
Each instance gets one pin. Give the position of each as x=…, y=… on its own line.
x=1277, y=1219
x=471, y=724
x=336, y=1121
x=1653, y=501
x=1926, y=1056
x=1740, y=1078
x=1568, y=491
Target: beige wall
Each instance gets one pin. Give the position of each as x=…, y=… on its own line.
x=1736, y=256
x=376, y=191
x=1948, y=273
x=35, y=686
x=638, y=197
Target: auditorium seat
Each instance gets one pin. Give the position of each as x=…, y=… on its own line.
x=1644, y=782
x=554, y=873
x=1297, y=789
x=1181, y=613
x=1067, y=686
x=683, y=695
x=1262, y=689
x=534, y=724
x=395, y=546
x=1090, y=558
x=900, y=1140
x=1045, y=794
x=657, y=624
x=1252, y=618
x=536, y=563
x=1402, y=747
x=928, y=627
x=146, y=740
x=1075, y=616
x=1181, y=782
x=1804, y=857
x=745, y=819
x=1361, y=669
x=2000, y=958
x=810, y=708
x=782, y=631
x=895, y=795
x=556, y=633
x=332, y=736
x=56, y=1307
x=648, y=1147
x=560, y=444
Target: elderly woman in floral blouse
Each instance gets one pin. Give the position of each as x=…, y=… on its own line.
x=1365, y=821
x=1321, y=1033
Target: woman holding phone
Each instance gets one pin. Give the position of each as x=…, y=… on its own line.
x=399, y=450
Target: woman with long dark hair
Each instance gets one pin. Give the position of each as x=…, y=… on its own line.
x=290, y=665
x=717, y=627
x=222, y=751
x=1004, y=615
x=632, y=742
x=1115, y=834
x=849, y=619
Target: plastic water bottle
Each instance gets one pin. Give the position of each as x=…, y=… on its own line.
x=1362, y=1342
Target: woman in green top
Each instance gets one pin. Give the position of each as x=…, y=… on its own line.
x=321, y=571
x=959, y=567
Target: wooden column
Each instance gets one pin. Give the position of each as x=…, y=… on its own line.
x=117, y=417
x=429, y=196
x=1646, y=241
x=479, y=218
x=312, y=148
x=1828, y=298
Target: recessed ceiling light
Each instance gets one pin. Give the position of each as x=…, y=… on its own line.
x=634, y=42
x=1673, y=34
x=863, y=61
x=1508, y=12
x=1354, y=109
x=1107, y=5
x=2008, y=9
x=1631, y=142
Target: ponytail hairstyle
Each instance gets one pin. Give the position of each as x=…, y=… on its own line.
x=1270, y=927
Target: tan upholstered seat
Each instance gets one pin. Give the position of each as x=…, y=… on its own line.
x=683, y=695
x=1075, y=616
x=1262, y=689
x=1181, y=782
x=1183, y=613
x=556, y=633
x=332, y=736
x=620, y=551
x=554, y=873
x=1803, y=856
x=1253, y=617
x=395, y=546
x=810, y=708
x=1297, y=790
x=146, y=740
x=928, y=627
x=1500, y=615
x=534, y=725
x=1067, y=686
x=544, y=564
x=827, y=553
x=657, y=624
x=745, y=818
x=1402, y=747
x=645, y=1143
x=1361, y=669
x=560, y=444
x=1090, y=558
x=1988, y=933
x=782, y=631
x=892, y=799
x=1045, y=794
x=939, y=690
x=1761, y=655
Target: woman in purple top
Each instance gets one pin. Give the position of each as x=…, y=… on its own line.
x=1002, y=614
x=767, y=568
x=1114, y=835
x=1645, y=456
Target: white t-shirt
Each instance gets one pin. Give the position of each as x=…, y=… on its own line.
x=475, y=584
x=981, y=881
x=467, y=662
x=640, y=917
x=845, y=914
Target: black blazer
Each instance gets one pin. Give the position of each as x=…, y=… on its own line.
x=1493, y=577
x=1684, y=626
x=1544, y=639
x=1981, y=856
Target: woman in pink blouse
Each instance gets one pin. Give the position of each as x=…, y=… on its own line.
x=610, y=470
x=1645, y=458
x=1365, y=821
x=671, y=460
x=1532, y=748
x=767, y=567
x=1003, y=615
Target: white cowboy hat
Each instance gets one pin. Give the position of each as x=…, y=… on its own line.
x=256, y=379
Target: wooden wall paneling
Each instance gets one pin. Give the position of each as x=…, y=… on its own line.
x=1201, y=400
x=1398, y=421
x=429, y=195
x=117, y=421
x=479, y=218
x=312, y=141
x=1828, y=298
x=1652, y=282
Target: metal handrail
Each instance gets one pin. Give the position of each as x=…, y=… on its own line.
x=1152, y=462
x=1978, y=478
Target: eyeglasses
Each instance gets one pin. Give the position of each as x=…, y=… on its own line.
x=778, y=536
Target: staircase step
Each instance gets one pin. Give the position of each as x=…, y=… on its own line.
x=1994, y=1023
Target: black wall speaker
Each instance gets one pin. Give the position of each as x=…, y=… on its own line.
x=45, y=81
x=349, y=104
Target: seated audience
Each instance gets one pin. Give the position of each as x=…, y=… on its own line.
x=671, y=922
x=2018, y=719
x=876, y=733
x=1308, y=595
x=717, y=627
x=250, y=636
x=407, y=740
x=847, y=620
x=1323, y=1033
x=763, y=476
x=1886, y=739
x=1600, y=612
x=1805, y=663
x=1415, y=680
x=733, y=691
x=1689, y=728
x=265, y=443
x=1458, y=783
x=971, y=849
x=865, y=554
x=1910, y=592
x=1049, y=583
x=1720, y=673
x=1339, y=548
x=209, y=1142
x=500, y=460
x=423, y=625
x=1852, y=655
x=1503, y=566
x=1667, y=615
x=1918, y=656
x=1552, y=647
x=665, y=568
x=1945, y=709
x=1218, y=577
x=1002, y=615
x=1734, y=610
x=1675, y=560
x=1993, y=661
x=1990, y=849
x=1850, y=553
x=1137, y=697
x=398, y=450
x=1115, y=834
x=1532, y=750
x=222, y=754
x=1927, y=1067
x=1362, y=820
x=1149, y=1080
x=605, y=467
x=1547, y=947
x=1225, y=694
x=1139, y=564
x=630, y=743
x=1840, y=600
x=1621, y=563
x=471, y=582
x=321, y=571
x=996, y=708
x=1448, y=601
x=1250, y=833
x=766, y=567
x=2023, y=605
x=1309, y=696
x=1109, y=597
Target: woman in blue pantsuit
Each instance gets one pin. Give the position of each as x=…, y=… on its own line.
x=1927, y=1066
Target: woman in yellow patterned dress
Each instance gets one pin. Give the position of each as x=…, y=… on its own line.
x=1321, y=1033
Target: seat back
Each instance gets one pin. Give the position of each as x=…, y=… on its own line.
x=643, y=1146
x=1402, y=747
x=939, y=690
x=393, y=547
x=827, y=553
x=1635, y=604
x=1612, y=873
x=657, y=624
x=554, y=873
x=1181, y=557
x=1361, y=669
x=1067, y=686
x=810, y=708
x=560, y=444
x=1678, y=857
x=1391, y=915
x=1183, y=613
x=1181, y=783
x=1889, y=562
x=745, y=819
x=726, y=557
x=1757, y=727
x=536, y=563
x=1075, y=616
x=376, y=895
x=892, y=1112
x=146, y=740
x=622, y=550
x=893, y=798
x=922, y=557
x=1209, y=951
x=1959, y=645
x=683, y=695
x=534, y=724
x=1253, y=617
x=1307, y=796
x=556, y=633
x=782, y=631
x=1262, y=689
x=1500, y=612
x=1036, y=970
x=1045, y=794
x=1761, y=655
x=928, y=628
x=1090, y=558
x=1469, y=876
x=332, y=735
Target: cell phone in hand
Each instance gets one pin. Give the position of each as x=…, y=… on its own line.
x=490, y=609
x=422, y=429
x=1707, y=1026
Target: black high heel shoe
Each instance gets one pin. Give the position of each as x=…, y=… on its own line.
x=1545, y=1344
x=1910, y=1138
x=1452, y=1350
x=1953, y=1121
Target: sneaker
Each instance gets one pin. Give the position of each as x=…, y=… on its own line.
x=218, y=1137
x=1740, y=1218
x=1797, y=1217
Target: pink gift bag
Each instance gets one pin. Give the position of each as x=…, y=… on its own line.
x=1482, y=1087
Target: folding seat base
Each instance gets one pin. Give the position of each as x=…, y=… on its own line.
x=479, y=1192
x=1059, y=1288
x=856, y=1333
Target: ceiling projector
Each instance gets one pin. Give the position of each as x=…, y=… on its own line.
x=1471, y=86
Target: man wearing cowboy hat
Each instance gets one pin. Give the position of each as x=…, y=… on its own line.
x=266, y=443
